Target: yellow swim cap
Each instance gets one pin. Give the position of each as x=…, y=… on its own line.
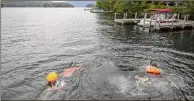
x=51, y=77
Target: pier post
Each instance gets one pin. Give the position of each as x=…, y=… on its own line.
x=172, y=27
x=176, y=3
x=178, y=16
x=135, y=16
x=167, y=3
x=184, y=21
x=150, y=23
x=155, y=23
x=145, y=16
x=192, y=24
x=115, y=15
x=159, y=24
x=168, y=17
x=123, y=15
x=187, y=17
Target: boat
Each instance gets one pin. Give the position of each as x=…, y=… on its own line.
x=160, y=16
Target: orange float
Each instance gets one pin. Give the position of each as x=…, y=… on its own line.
x=153, y=70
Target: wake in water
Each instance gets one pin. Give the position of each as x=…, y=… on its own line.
x=140, y=83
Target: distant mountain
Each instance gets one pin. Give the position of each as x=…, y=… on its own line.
x=58, y=4
x=22, y=3
x=90, y=5
x=80, y=3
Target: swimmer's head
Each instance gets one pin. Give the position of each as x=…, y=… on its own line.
x=51, y=78
x=51, y=84
x=153, y=64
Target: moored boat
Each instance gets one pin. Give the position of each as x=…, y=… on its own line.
x=160, y=16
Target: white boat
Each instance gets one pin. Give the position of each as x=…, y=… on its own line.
x=162, y=16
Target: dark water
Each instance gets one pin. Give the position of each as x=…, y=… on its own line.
x=36, y=41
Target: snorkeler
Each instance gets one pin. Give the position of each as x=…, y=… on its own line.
x=53, y=80
x=153, y=69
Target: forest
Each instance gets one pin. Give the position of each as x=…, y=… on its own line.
x=130, y=7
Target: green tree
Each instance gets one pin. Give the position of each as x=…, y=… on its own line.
x=119, y=6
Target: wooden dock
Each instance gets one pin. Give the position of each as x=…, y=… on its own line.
x=156, y=25
x=180, y=24
x=127, y=21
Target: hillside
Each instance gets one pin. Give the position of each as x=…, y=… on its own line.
x=10, y=3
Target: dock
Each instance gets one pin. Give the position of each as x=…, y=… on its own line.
x=127, y=21
x=178, y=25
x=156, y=25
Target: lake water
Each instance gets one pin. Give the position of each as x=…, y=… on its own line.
x=36, y=41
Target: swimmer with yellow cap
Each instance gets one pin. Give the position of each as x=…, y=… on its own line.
x=53, y=76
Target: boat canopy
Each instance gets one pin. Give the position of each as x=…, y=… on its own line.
x=162, y=10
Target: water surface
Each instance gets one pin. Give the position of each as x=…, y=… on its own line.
x=36, y=41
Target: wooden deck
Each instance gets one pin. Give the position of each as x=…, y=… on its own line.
x=145, y=22
x=127, y=21
x=180, y=24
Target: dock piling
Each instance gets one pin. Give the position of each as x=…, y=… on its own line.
x=184, y=22
x=155, y=23
x=126, y=15
x=115, y=15
x=150, y=24
x=145, y=16
x=178, y=16
x=135, y=15
x=159, y=24
x=187, y=17
x=172, y=27
x=123, y=15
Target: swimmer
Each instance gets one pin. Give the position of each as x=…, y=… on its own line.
x=153, y=69
x=55, y=83
x=51, y=78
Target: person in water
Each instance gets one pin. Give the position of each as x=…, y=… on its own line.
x=50, y=84
x=53, y=80
x=153, y=64
x=153, y=69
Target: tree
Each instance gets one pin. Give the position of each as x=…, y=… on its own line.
x=119, y=6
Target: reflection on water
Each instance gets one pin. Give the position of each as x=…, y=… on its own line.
x=113, y=57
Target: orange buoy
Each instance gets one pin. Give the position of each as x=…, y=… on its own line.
x=153, y=70
x=52, y=77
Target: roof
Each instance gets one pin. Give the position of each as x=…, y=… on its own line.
x=162, y=10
